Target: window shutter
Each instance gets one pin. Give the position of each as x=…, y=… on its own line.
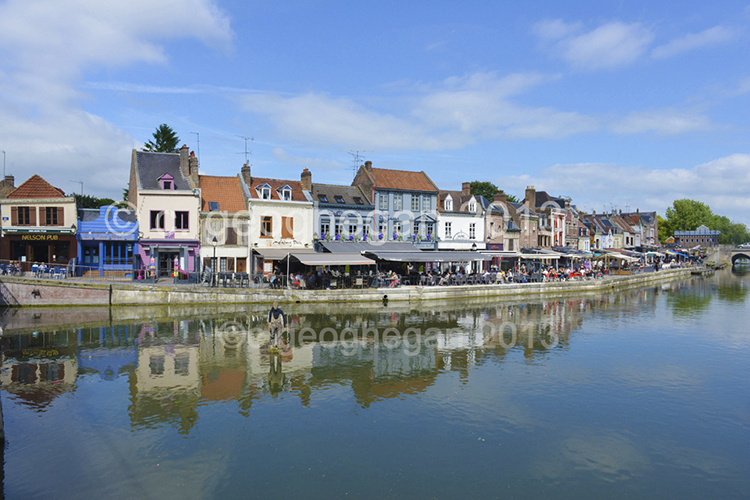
x=231, y=236
x=42, y=216
x=287, y=227
x=32, y=216
x=60, y=216
x=206, y=261
x=230, y=264
x=13, y=216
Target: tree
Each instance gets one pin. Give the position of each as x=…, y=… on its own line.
x=88, y=201
x=165, y=140
x=687, y=215
x=483, y=188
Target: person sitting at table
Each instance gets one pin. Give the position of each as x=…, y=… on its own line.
x=445, y=280
x=393, y=278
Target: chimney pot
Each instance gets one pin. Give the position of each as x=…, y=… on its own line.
x=306, y=180
x=368, y=166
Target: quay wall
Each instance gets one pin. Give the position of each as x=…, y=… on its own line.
x=29, y=292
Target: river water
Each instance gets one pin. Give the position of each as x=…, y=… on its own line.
x=641, y=393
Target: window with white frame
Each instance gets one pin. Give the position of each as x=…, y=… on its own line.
x=430, y=229
x=448, y=230
x=286, y=193
x=325, y=227
x=383, y=201
x=472, y=231
x=365, y=229
x=398, y=201
x=472, y=207
x=415, y=203
x=397, y=229
x=265, y=192
x=337, y=229
x=382, y=228
x=352, y=228
x=449, y=204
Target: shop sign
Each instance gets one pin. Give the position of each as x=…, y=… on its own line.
x=39, y=237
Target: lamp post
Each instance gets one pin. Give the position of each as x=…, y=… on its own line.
x=213, y=261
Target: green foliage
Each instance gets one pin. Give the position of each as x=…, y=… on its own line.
x=165, y=140
x=88, y=201
x=513, y=198
x=125, y=192
x=688, y=215
x=484, y=188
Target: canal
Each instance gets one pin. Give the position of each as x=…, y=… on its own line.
x=642, y=393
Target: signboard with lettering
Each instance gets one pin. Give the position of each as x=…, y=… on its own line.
x=39, y=237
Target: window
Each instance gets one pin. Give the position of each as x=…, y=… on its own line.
x=167, y=185
x=448, y=230
x=415, y=229
x=266, y=227
x=51, y=216
x=472, y=207
x=352, y=229
x=181, y=220
x=287, y=228
x=213, y=206
x=397, y=228
x=358, y=200
x=365, y=230
x=323, y=198
x=231, y=238
x=223, y=264
x=286, y=193
x=449, y=204
x=383, y=201
x=182, y=364
x=382, y=228
x=22, y=216
x=339, y=199
x=157, y=219
x=325, y=227
x=415, y=203
x=430, y=229
x=472, y=231
x=398, y=202
x=265, y=192
x=337, y=229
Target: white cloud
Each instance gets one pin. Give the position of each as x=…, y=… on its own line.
x=722, y=184
x=661, y=122
x=47, y=45
x=457, y=112
x=610, y=45
x=712, y=36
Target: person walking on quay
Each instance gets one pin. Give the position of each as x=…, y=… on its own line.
x=276, y=324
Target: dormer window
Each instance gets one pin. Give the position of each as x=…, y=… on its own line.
x=166, y=182
x=472, y=207
x=285, y=193
x=339, y=199
x=449, y=204
x=264, y=192
x=323, y=198
x=358, y=200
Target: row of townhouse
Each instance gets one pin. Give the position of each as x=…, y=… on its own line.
x=180, y=219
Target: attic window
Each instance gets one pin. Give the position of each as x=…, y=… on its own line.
x=213, y=206
x=472, y=207
x=358, y=200
x=287, y=193
x=264, y=192
x=449, y=204
x=339, y=199
x=166, y=182
x=166, y=185
x=323, y=198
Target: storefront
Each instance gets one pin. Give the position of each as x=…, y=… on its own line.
x=52, y=246
x=162, y=256
x=107, y=242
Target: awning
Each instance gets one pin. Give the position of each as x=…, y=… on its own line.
x=506, y=254
x=618, y=256
x=333, y=259
x=429, y=256
x=280, y=253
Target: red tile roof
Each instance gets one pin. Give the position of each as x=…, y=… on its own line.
x=225, y=190
x=275, y=184
x=36, y=187
x=402, y=180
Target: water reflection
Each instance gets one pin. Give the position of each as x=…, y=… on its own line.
x=174, y=366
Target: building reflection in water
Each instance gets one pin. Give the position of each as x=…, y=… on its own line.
x=173, y=367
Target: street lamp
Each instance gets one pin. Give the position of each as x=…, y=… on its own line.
x=213, y=261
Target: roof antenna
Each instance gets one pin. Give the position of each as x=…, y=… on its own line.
x=81, y=183
x=246, y=139
x=199, y=146
x=357, y=159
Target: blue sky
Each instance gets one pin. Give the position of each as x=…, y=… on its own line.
x=616, y=104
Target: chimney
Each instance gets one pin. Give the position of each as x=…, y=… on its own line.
x=530, y=197
x=193, y=169
x=500, y=197
x=593, y=212
x=636, y=210
x=246, y=175
x=466, y=188
x=306, y=179
x=368, y=166
x=185, y=161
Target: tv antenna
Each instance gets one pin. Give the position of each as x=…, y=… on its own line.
x=357, y=159
x=246, y=151
x=198, y=136
x=81, y=183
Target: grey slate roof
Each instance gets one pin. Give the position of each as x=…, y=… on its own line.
x=151, y=166
x=347, y=193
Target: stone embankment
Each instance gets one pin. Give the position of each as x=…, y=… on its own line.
x=30, y=292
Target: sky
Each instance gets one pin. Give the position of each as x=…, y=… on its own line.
x=617, y=105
